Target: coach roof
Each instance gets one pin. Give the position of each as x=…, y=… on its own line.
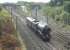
x=30, y=19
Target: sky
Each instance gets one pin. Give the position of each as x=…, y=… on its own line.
x=14, y=1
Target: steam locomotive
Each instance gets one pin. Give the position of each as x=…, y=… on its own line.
x=41, y=28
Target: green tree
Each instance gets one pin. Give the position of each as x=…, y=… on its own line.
x=56, y=2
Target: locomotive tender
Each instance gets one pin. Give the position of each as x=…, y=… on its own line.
x=39, y=27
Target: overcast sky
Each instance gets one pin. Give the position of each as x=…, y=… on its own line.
x=44, y=1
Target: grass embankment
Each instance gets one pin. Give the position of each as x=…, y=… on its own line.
x=8, y=38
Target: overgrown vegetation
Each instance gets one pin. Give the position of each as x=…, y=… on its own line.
x=59, y=12
x=4, y=13
x=56, y=12
x=8, y=38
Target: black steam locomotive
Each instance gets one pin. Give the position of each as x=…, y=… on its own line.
x=41, y=28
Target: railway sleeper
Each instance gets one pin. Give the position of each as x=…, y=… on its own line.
x=65, y=40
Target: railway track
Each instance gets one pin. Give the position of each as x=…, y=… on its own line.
x=58, y=34
x=61, y=37
x=63, y=40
